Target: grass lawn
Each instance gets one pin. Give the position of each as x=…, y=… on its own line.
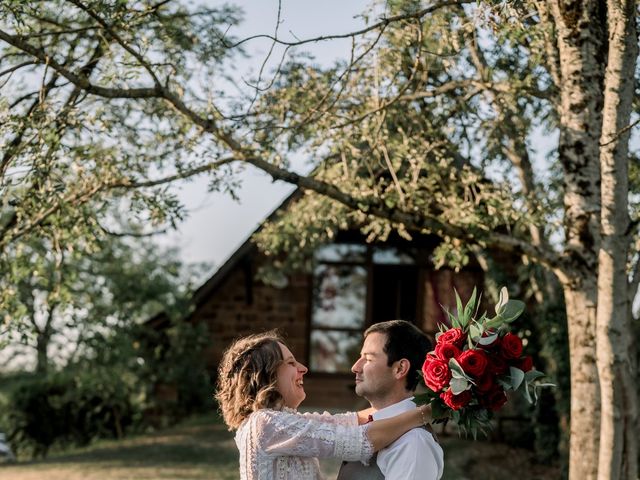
x=201, y=448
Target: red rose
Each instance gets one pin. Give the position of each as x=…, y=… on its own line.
x=494, y=399
x=473, y=362
x=525, y=363
x=445, y=351
x=485, y=382
x=453, y=335
x=497, y=364
x=436, y=373
x=511, y=346
x=456, y=402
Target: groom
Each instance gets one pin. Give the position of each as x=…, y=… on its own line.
x=387, y=376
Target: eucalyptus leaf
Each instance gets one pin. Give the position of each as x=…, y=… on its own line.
x=512, y=310
x=489, y=339
x=502, y=300
x=495, y=322
x=527, y=395
x=543, y=385
x=459, y=385
x=533, y=375
x=517, y=376
x=475, y=331
x=505, y=384
x=454, y=366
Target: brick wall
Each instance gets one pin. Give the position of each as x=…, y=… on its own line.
x=239, y=308
x=240, y=305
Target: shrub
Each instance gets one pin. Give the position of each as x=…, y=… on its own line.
x=69, y=407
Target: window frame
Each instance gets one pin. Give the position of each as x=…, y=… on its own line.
x=368, y=264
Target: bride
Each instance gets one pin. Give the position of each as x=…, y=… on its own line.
x=260, y=386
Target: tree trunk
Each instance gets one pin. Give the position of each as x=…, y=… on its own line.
x=585, y=392
x=581, y=40
x=44, y=339
x=616, y=367
x=42, y=352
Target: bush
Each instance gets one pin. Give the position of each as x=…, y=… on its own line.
x=110, y=391
x=69, y=407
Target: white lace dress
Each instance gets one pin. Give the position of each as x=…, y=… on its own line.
x=279, y=445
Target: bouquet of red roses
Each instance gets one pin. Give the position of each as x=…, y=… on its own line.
x=474, y=364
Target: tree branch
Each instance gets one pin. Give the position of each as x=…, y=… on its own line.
x=130, y=183
x=17, y=67
x=413, y=221
x=118, y=39
x=382, y=24
x=552, y=57
x=77, y=79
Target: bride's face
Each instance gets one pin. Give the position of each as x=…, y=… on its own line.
x=289, y=383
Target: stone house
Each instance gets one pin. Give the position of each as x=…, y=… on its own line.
x=322, y=314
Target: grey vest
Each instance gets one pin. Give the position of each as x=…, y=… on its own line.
x=358, y=471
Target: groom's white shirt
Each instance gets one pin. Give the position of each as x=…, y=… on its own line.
x=415, y=455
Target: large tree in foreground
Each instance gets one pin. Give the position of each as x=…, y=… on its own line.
x=427, y=128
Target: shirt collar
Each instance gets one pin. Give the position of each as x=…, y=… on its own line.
x=395, y=409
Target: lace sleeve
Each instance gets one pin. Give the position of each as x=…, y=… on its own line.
x=348, y=418
x=283, y=433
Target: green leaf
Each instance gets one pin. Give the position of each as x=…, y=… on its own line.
x=457, y=373
x=469, y=309
x=459, y=385
x=517, y=376
x=489, y=339
x=495, y=322
x=532, y=375
x=439, y=410
x=505, y=383
x=459, y=307
x=512, y=310
x=475, y=331
x=424, y=398
x=456, y=368
x=453, y=319
x=502, y=300
x=527, y=395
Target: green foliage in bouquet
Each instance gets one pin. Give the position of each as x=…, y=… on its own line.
x=475, y=363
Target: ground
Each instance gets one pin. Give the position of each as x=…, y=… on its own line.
x=201, y=448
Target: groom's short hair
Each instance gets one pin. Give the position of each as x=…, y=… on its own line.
x=404, y=340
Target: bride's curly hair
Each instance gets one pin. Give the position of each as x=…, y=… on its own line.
x=247, y=377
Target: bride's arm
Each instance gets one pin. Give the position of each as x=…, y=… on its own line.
x=384, y=432
x=282, y=433
x=347, y=418
x=363, y=415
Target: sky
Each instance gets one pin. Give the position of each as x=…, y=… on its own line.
x=216, y=224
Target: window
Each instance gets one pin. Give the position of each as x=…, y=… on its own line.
x=354, y=286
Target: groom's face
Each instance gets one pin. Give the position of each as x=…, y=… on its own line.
x=374, y=377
